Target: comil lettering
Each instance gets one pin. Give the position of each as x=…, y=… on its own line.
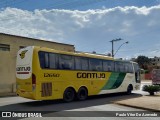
x=90, y=75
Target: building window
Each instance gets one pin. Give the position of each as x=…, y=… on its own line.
x=4, y=47
x=20, y=47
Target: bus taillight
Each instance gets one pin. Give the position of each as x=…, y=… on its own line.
x=33, y=81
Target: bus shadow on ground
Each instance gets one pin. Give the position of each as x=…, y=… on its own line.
x=59, y=105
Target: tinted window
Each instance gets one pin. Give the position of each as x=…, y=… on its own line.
x=78, y=64
x=52, y=61
x=84, y=62
x=41, y=59
x=119, y=66
x=136, y=67
x=66, y=62
x=95, y=65
x=128, y=68
x=44, y=60
x=108, y=65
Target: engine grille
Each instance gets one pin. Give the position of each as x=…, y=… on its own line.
x=46, y=89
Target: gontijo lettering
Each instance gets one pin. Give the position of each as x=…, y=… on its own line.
x=90, y=75
x=23, y=68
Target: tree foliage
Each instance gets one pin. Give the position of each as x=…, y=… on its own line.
x=143, y=61
x=151, y=89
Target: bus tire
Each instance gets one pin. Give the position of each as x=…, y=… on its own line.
x=69, y=95
x=129, y=89
x=82, y=93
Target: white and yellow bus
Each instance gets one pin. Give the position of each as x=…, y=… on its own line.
x=47, y=74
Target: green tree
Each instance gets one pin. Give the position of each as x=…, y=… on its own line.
x=143, y=61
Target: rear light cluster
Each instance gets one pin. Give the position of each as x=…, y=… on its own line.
x=33, y=82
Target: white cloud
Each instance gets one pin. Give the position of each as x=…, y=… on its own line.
x=89, y=30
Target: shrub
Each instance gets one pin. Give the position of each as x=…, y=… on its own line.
x=151, y=89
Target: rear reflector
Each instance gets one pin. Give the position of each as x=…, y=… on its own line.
x=22, y=72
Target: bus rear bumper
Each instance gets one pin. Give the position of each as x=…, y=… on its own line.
x=25, y=94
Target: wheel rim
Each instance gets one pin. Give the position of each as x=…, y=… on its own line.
x=82, y=94
x=69, y=95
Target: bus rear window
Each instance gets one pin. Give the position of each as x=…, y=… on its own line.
x=43, y=58
x=48, y=60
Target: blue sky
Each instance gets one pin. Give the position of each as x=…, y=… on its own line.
x=74, y=4
x=88, y=24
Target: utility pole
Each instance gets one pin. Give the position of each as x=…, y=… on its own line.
x=112, y=41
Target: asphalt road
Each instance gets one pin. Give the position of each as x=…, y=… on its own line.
x=97, y=106
x=101, y=102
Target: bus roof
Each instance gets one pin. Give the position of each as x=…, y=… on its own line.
x=125, y=61
x=82, y=54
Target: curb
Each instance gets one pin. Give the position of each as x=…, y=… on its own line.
x=7, y=94
x=149, y=109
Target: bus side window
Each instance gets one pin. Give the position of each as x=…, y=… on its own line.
x=52, y=61
x=44, y=59
x=117, y=69
x=41, y=59
x=128, y=67
x=122, y=68
x=78, y=64
x=66, y=62
x=108, y=65
x=85, y=63
x=95, y=65
x=119, y=66
x=46, y=63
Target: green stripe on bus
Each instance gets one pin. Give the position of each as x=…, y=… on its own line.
x=112, y=79
x=119, y=80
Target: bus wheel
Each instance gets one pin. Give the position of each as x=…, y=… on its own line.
x=129, y=89
x=82, y=93
x=69, y=95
